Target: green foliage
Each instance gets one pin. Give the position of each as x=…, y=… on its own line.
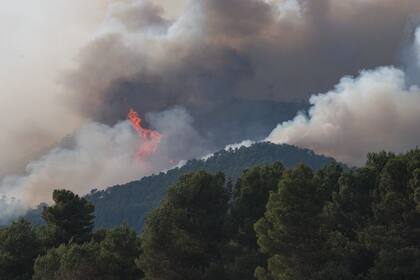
x=69, y=219
x=289, y=230
x=182, y=238
x=250, y=197
x=392, y=236
x=131, y=202
x=69, y=262
x=397, y=264
x=113, y=258
x=19, y=248
x=364, y=225
x=118, y=252
x=272, y=223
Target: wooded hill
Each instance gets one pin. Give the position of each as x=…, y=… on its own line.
x=274, y=223
x=129, y=203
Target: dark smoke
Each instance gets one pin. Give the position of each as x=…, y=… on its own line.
x=221, y=57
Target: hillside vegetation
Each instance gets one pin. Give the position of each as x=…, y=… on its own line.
x=130, y=203
x=273, y=223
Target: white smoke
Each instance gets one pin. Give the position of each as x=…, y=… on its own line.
x=36, y=58
x=236, y=146
x=39, y=41
x=99, y=156
x=378, y=110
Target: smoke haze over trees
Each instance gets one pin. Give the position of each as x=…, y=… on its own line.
x=274, y=223
x=204, y=74
x=130, y=203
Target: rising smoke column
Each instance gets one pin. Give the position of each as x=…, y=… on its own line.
x=226, y=62
x=99, y=156
x=222, y=59
x=377, y=110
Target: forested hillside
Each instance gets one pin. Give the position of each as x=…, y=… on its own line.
x=130, y=203
x=274, y=223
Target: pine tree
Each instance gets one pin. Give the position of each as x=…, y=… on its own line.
x=69, y=219
x=249, y=203
x=182, y=238
x=19, y=248
x=289, y=231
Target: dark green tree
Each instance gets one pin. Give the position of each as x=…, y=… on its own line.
x=345, y=213
x=110, y=257
x=393, y=264
x=19, y=248
x=117, y=254
x=393, y=234
x=353, y=224
x=349, y=208
x=329, y=178
x=69, y=262
x=289, y=231
x=183, y=237
x=377, y=161
x=69, y=219
x=249, y=203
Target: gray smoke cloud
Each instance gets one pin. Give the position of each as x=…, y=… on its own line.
x=219, y=58
x=98, y=156
x=203, y=72
x=377, y=110
x=40, y=40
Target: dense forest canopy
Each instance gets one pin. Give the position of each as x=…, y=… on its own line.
x=273, y=223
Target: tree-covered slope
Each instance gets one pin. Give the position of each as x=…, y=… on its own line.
x=129, y=203
x=273, y=223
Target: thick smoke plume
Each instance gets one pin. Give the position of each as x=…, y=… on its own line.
x=99, y=155
x=378, y=110
x=38, y=41
x=205, y=73
x=230, y=62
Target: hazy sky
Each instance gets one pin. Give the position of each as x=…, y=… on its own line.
x=40, y=40
x=207, y=72
x=257, y=49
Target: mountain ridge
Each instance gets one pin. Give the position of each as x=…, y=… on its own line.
x=131, y=202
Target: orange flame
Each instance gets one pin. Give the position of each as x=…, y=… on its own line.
x=149, y=138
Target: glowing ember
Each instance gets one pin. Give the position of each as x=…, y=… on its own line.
x=149, y=138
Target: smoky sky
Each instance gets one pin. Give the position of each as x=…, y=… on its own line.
x=233, y=64
x=204, y=73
